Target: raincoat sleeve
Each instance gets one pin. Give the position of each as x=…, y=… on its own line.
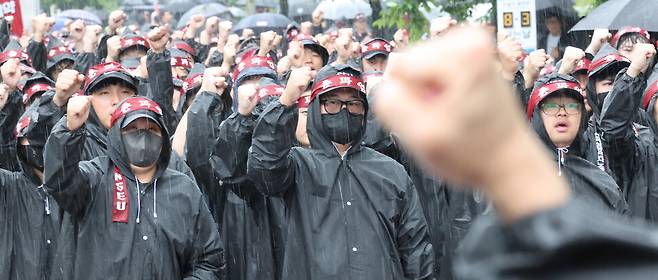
x=414, y=247
x=207, y=260
x=38, y=54
x=84, y=61
x=203, y=119
x=67, y=179
x=229, y=157
x=162, y=85
x=9, y=116
x=619, y=111
x=270, y=165
x=519, y=87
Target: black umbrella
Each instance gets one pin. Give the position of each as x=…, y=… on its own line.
x=207, y=10
x=263, y=22
x=617, y=14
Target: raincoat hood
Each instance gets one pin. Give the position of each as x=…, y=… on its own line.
x=250, y=66
x=57, y=52
x=127, y=109
x=547, y=87
x=318, y=137
x=607, y=60
x=35, y=85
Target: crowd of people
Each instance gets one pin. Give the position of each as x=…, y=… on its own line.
x=153, y=153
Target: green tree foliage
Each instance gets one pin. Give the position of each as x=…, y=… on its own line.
x=460, y=9
x=396, y=13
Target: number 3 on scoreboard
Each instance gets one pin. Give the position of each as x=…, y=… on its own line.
x=508, y=20
x=525, y=19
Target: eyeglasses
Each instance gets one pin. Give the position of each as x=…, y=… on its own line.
x=552, y=109
x=333, y=106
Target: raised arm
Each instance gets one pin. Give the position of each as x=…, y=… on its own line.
x=64, y=177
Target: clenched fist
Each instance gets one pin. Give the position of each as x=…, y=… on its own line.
x=214, y=80
x=68, y=83
x=247, y=99
x=77, y=112
x=640, y=59
x=11, y=73
x=297, y=83
x=158, y=38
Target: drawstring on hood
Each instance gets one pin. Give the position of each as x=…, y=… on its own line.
x=561, y=154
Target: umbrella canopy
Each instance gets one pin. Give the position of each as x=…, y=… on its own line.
x=76, y=14
x=617, y=14
x=237, y=12
x=344, y=9
x=180, y=6
x=263, y=22
x=301, y=8
x=207, y=10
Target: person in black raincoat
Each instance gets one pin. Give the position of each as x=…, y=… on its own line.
x=34, y=215
x=631, y=147
x=132, y=217
x=108, y=84
x=352, y=212
x=539, y=234
x=248, y=220
x=557, y=115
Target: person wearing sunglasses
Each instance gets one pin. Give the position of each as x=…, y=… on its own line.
x=353, y=213
x=556, y=111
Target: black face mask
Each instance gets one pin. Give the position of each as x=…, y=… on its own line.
x=599, y=100
x=343, y=127
x=142, y=146
x=33, y=156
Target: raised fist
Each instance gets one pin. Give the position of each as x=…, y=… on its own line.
x=247, y=99
x=68, y=83
x=297, y=83
x=77, y=112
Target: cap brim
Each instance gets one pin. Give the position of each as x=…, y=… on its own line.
x=116, y=75
x=132, y=117
x=372, y=54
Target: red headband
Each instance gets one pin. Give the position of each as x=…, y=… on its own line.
x=4, y=56
x=583, y=64
x=337, y=81
x=58, y=51
x=615, y=39
x=307, y=37
x=541, y=92
x=32, y=90
x=252, y=62
x=181, y=62
x=22, y=124
x=135, y=41
x=133, y=104
x=653, y=89
x=605, y=60
x=192, y=82
x=184, y=47
x=245, y=55
x=376, y=45
x=270, y=90
x=100, y=69
x=304, y=101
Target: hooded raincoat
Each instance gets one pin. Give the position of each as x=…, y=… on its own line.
x=168, y=232
x=355, y=216
x=631, y=147
x=31, y=218
x=588, y=182
x=218, y=155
